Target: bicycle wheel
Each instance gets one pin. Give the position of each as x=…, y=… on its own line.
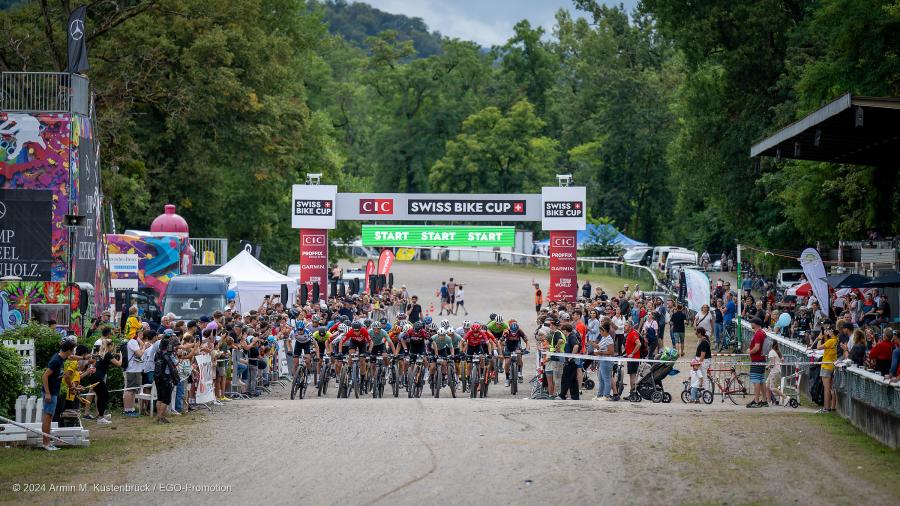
x=707, y=397
x=485, y=384
x=395, y=380
x=513, y=377
x=685, y=396
x=451, y=379
x=473, y=382
x=295, y=385
x=494, y=369
x=356, y=379
x=411, y=381
x=726, y=393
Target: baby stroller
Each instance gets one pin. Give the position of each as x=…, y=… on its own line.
x=649, y=386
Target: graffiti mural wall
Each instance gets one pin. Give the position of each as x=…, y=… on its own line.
x=20, y=301
x=138, y=262
x=35, y=155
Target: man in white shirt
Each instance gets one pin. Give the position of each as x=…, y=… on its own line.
x=134, y=370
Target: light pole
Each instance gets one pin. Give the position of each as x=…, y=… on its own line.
x=72, y=221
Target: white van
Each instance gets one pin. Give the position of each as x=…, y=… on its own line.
x=658, y=253
x=677, y=254
x=788, y=278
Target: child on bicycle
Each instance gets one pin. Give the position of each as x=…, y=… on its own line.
x=696, y=381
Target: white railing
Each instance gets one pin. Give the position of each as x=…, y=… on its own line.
x=30, y=92
x=209, y=250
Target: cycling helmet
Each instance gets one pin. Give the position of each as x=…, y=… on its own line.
x=427, y=320
x=419, y=326
x=342, y=328
x=467, y=324
x=408, y=328
x=401, y=316
x=300, y=325
x=376, y=325
x=476, y=326
x=356, y=325
x=432, y=327
x=367, y=323
x=442, y=331
x=497, y=318
x=493, y=316
x=383, y=322
x=271, y=339
x=445, y=323
x=513, y=325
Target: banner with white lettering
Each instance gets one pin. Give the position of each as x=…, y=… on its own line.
x=563, y=265
x=438, y=207
x=814, y=270
x=205, y=390
x=563, y=208
x=314, y=260
x=26, y=234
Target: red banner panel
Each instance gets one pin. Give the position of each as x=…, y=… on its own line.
x=563, y=265
x=370, y=269
x=385, y=261
x=314, y=260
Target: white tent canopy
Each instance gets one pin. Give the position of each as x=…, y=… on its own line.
x=252, y=280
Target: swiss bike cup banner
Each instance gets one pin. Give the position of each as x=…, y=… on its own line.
x=313, y=206
x=563, y=265
x=563, y=208
x=26, y=234
x=438, y=207
x=314, y=260
x=438, y=236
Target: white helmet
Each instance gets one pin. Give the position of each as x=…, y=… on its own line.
x=445, y=323
x=442, y=331
x=467, y=324
x=342, y=328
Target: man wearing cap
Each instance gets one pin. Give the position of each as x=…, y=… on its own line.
x=556, y=342
x=758, y=365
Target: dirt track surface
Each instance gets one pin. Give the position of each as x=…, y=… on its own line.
x=500, y=450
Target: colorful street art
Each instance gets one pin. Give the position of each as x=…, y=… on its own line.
x=35, y=155
x=158, y=259
x=17, y=297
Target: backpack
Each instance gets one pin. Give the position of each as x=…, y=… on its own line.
x=816, y=388
x=123, y=350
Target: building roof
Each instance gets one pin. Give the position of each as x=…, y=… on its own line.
x=850, y=129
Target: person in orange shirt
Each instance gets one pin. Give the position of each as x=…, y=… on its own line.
x=538, y=298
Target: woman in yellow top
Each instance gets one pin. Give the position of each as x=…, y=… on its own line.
x=828, y=342
x=132, y=324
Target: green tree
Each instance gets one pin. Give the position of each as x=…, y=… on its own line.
x=497, y=153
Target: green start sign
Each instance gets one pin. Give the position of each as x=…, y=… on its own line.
x=435, y=236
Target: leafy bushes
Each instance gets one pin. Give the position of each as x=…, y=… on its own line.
x=12, y=381
x=46, y=340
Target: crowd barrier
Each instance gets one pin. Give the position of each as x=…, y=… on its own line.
x=863, y=397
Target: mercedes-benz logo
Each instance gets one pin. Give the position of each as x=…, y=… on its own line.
x=76, y=29
x=2, y=210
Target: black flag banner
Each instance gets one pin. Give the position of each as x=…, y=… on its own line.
x=78, y=57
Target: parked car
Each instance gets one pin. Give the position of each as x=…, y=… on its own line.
x=190, y=297
x=638, y=255
x=789, y=277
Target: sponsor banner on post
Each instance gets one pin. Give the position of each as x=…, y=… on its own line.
x=123, y=262
x=370, y=269
x=697, y=289
x=563, y=208
x=205, y=391
x=386, y=260
x=313, y=206
x=814, y=270
x=437, y=206
x=314, y=260
x=436, y=236
x=563, y=265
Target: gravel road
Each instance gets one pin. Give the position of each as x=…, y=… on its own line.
x=499, y=450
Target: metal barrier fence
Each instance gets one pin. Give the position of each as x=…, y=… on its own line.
x=31, y=92
x=591, y=265
x=209, y=251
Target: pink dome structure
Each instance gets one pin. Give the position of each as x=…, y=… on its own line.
x=169, y=223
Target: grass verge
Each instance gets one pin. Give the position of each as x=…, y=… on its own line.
x=112, y=450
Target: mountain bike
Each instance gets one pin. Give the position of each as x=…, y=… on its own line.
x=734, y=385
x=416, y=379
x=344, y=378
x=476, y=375
x=514, y=372
x=354, y=375
x=378, y=379
x=394, y=379
x=325, y=375
x=298, y=385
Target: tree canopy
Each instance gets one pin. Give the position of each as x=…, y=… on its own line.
x=219, y=106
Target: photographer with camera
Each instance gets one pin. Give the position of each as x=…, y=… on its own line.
x=105, y=355
x=165, y=373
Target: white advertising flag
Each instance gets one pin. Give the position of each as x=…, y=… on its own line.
x=814, y=270
x=697, y=289
x=205, y=391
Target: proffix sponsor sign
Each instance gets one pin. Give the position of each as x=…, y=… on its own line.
x=563, y=265
x=314, y=259
x=563, y=208
x=313, y=206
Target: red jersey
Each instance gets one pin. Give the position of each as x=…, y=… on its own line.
x=360, y=336
x=417, y=336
x=477, y=338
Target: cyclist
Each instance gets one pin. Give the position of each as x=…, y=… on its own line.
x=323, y=340
x=385, y=324
x=496, y=326
x=474, y=342
x=380, y=340
x=335, y=343
x=466, y=326
x=442, y=346
x=403, y=330
x=415, y=341
x=357, y=338
x=511, y=338
x=302, y=344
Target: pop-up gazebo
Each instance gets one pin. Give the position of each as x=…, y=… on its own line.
x=252, y=280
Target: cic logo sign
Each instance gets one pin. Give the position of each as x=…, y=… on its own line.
x=376, y=206
x=562, y=242
x=313, y=240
